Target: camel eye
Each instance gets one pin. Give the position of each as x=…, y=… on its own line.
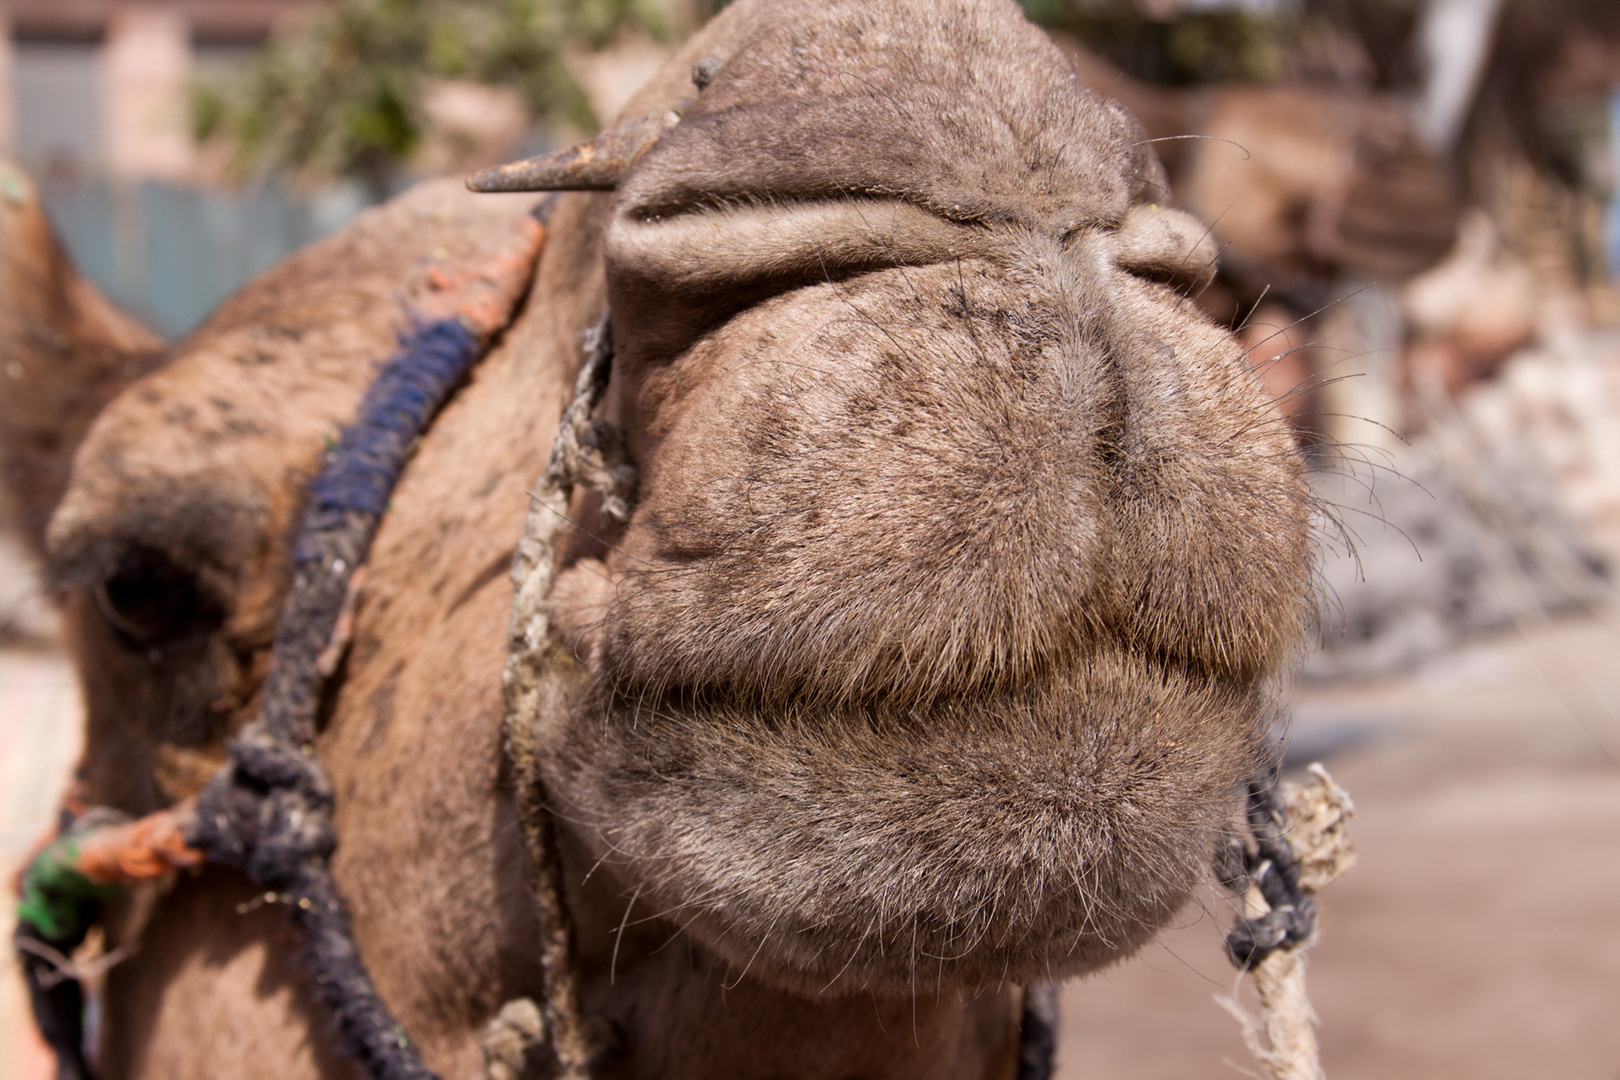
x=149, y=602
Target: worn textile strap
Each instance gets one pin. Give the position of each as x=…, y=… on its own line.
x=270, y=811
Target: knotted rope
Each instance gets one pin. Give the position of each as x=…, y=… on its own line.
x=1300, y=844
x=269, y=812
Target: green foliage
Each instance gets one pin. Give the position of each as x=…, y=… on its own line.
x=1195, y=47
x=341, y=95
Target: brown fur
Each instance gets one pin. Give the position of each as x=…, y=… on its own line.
x=186, y=492
x=65, y=351
x=929, y=662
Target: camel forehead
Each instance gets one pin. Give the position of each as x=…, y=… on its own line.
x=206, y=458
x=964, y=108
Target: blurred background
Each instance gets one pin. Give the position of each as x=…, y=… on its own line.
x=1418, y=208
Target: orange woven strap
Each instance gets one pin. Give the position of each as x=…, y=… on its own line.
x=483, y=289
x=91, y=862
x=140, y=850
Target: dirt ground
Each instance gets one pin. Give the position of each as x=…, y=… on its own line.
x=1479, y=935
x=1476, y=938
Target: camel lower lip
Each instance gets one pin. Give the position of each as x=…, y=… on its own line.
x=1029, y=836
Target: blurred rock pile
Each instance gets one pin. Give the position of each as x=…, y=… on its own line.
x=1503, y=508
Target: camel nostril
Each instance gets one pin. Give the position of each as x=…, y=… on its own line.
x=1166, y=246
x=1181, y=274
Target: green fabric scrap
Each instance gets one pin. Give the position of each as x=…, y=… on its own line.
x=56, y=898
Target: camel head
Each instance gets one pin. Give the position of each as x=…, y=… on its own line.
x=936, y=645
x=939, y=634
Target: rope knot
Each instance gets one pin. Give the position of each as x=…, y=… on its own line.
x=1272, y=868
x=1300, y=844
x=1284, y=926
x=268, y=812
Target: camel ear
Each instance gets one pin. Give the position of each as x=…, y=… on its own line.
x=65, y=351
x=594, y=165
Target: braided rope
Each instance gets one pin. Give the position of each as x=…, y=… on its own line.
x=588, y=451
x=269, y=812
x=1301, y=843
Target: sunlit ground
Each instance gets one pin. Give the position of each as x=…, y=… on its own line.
x=1475, y=939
